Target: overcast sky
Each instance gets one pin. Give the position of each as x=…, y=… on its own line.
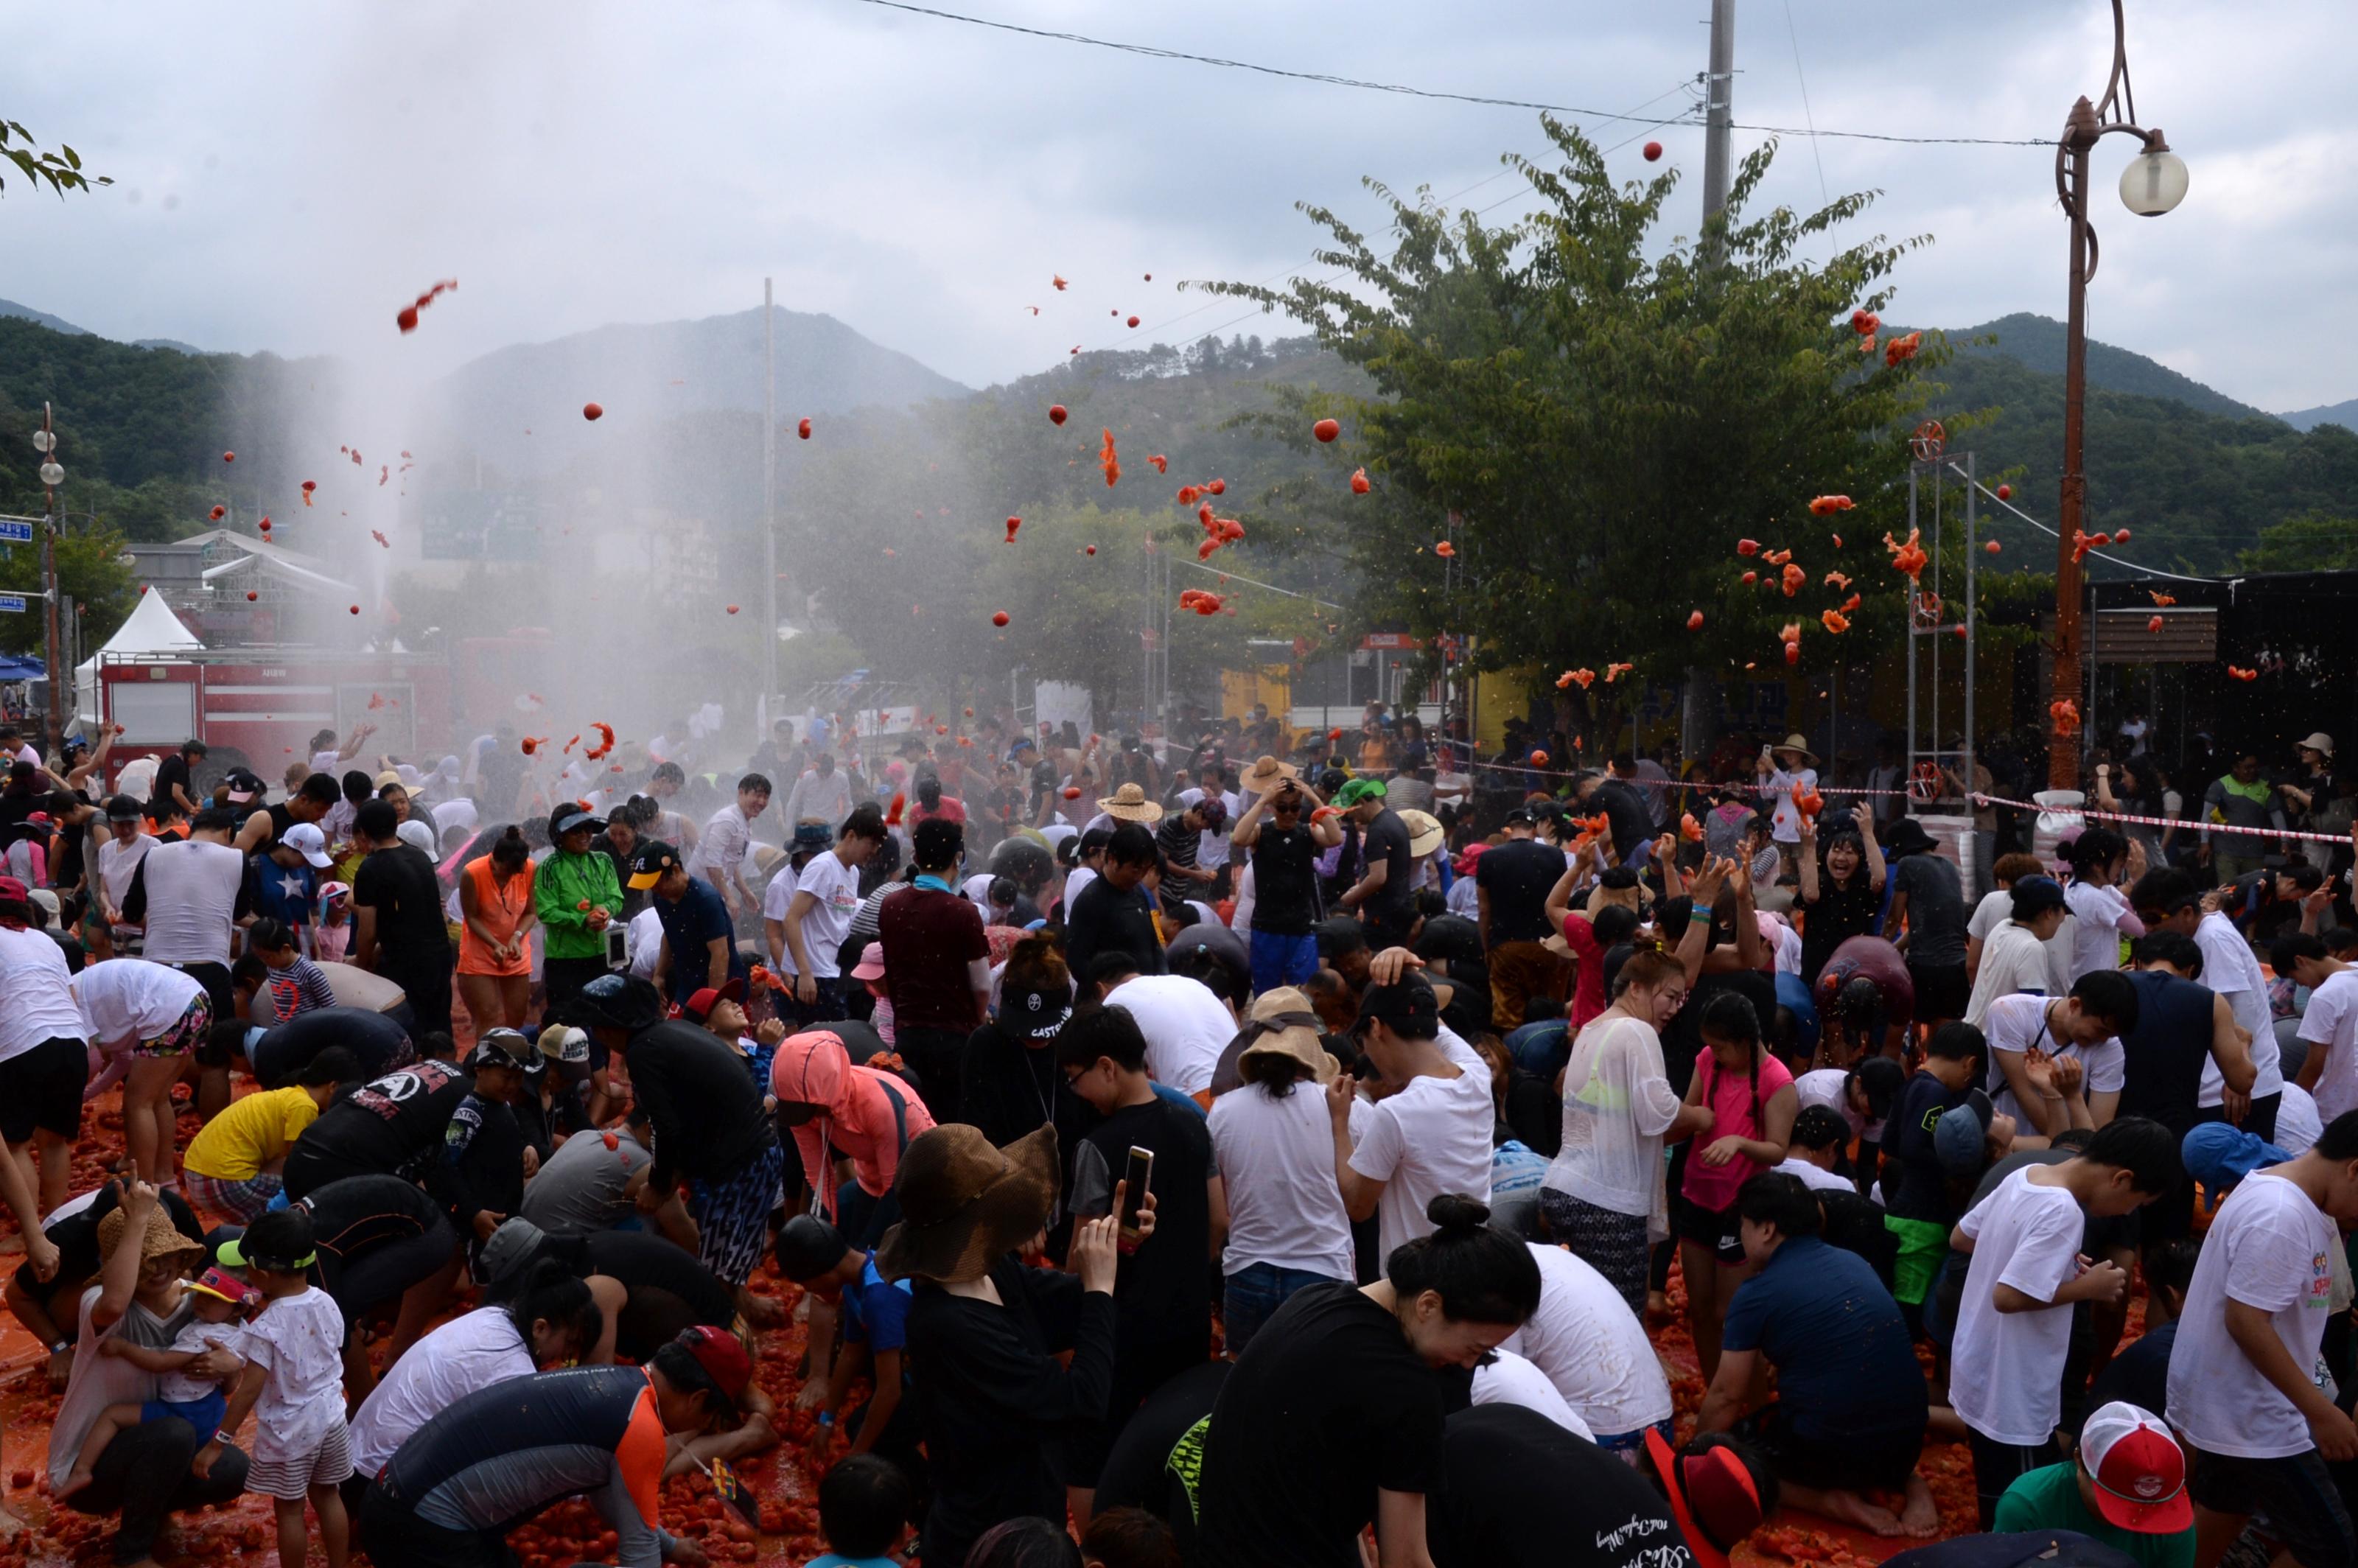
x=288, y=176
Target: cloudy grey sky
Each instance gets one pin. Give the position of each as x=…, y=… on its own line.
x=288, y=175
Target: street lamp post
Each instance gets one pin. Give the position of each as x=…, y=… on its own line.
x=2152, y=185
x=45, y=441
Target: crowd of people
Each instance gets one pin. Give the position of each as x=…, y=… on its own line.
x=1273, y=1150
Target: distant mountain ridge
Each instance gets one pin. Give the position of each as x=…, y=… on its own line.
x=2342, y=414
x=643, y=375
x=2037, y=341
x=43, y=319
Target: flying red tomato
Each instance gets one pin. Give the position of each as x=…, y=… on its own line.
x=1217, y=487
x=1360, y=485
x=998, y=618
x=593, y=411
x=1694, y=620
x=219, y=513
x=1653, y=152
x=2154, y=624
x=1445, y=549
x=803, y=429
x=1089, y=549
x=2006, y=492
x=251, y=597
x=1326, y=429
x=407, y=319
x=1013, y=524
x=733, y=610
x=356, y=609
x=229, y=456
x=1991, y=546
x=1056, y=410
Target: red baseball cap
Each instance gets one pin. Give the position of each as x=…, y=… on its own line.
x=1711, y=1494
x=13, y=892
x=699, y=1006
x=722, y=1355
x=2138, y=1470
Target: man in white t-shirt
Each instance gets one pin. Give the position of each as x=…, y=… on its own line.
x=2083, y=1027
x=2330, y=1073
x=1430, y=1134
x=806, y=918
x=190, y=897
x=119, y=854
x=2015, y=957
x=2249, y=1392
x=2014, y=1326
x=1186, y=1025
x=1594, y=1351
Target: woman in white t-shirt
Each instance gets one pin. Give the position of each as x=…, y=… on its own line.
x=1274, y=1138
x=2098, y=906
x=1603, y=1195
x=1593, y=1348
x=149, y=1017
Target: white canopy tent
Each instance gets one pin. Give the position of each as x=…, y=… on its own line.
x=152, y=628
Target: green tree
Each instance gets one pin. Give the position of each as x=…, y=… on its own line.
x=1593, y=419
x=2310, y=541
x=88, y=573
x=60, y=170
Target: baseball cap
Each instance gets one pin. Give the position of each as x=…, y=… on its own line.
x=243, y=786
x=506, y=1048
x=2036, y=895
x=305, y=840
x=699, y=1005
x=223, y=1286
x=1959, y=1135
x=564, y=1043
x=278, y=1241
x=872, y=963
x=418, y=836
x=13, y=892
x=2218, y=1154
x=2138, y=1469
x=1406, y=999
x=723, y=1357
x=123, y=808
x=1354, y=791
x=1035, y=1013
x=649, y=864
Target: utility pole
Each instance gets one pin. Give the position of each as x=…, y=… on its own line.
x=1719, y=107
x=52, y=476
x=1719, y=88
x=769, y=506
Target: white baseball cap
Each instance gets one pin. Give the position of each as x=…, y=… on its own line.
x=312, y=844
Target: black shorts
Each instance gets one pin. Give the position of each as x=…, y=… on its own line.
x=41, y=1088
x=1714, y=1228
x=1942, y=991
x=2304, y=1508
x=1859, y=1461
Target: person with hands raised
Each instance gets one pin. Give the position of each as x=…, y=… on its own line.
x=989, y=1331
x=1842, y=873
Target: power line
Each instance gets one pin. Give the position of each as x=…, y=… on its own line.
x=1153, y=52
x=1958, y=469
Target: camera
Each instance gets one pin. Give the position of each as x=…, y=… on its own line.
x=618, y=946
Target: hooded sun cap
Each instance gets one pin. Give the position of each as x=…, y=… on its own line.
x=649, y=864
x=2138, y=1469
x=1035, y=1013
x=2219, y=1155
x=1128, y=804
x=1425, y=833
x=574, y=816
x=1797, y=743
x=305, y=840
x=564, y=1043
x=1958, y=1136
x=872, y=963
x=1282, y=1024
x=162, y=1238
x=2318, y=740
x=964, y=1203
x=1355, y=791
x=723, y=1357
x=224, y=1286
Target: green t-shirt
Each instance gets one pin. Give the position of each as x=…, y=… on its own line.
x=2050, y=1498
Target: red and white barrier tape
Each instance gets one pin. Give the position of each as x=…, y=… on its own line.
x=2158, y=821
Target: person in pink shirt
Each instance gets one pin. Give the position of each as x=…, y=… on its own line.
x=868, y=1114
x=1752, y=1101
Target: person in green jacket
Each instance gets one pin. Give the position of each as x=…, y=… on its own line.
x=576, y=895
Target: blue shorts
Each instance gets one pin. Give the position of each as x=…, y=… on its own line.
x=204, y=1414
x=1281, y=960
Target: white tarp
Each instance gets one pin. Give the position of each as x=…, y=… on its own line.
x=151, y=628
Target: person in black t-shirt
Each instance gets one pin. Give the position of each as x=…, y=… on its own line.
x=1331, y=1420
x=1382, y=896
x=1112, y=914
x=399, y=929
x=174, y=782
x=1512, y=882
x=1518, y=1488
x=390, y=1126
x=1842, y=885
x=1284, y=852
x=662, y=1288
x=1163, y=1299
x=377, y=1040
x=47, y=1308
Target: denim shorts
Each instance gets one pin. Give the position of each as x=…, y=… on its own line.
x=1254, y=1295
